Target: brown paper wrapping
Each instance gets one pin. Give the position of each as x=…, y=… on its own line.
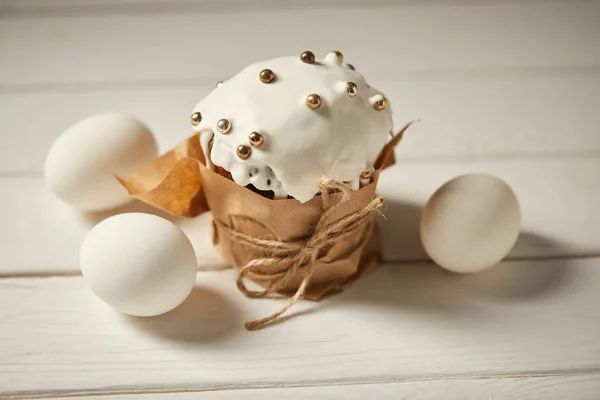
x=181, y=184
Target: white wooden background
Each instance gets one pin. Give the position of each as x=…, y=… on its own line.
x=501, y=86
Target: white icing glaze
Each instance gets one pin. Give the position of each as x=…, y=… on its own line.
x=339, y=140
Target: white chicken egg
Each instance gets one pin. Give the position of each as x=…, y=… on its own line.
x=470, y=223
x=81, y=164
x=139, y=264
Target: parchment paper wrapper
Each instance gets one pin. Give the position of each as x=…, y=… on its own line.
x=181, y=184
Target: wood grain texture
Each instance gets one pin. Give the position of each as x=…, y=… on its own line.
x=505, y=87
x=558, y=198
x=379, y=41
x=41, y=219
x=510, y=117
x=574, y=387
x=224, y=4
x=403, y=323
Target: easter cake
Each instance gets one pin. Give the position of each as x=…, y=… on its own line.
x=309, y=137
x=281, y=125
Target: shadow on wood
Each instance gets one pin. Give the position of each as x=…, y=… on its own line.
x=399, y=226
x=522, y=278
x=428, y=289
x=206, y=316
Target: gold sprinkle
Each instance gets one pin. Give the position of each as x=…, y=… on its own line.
x=308, y=57
x=196, y=118
x=339, y=55
x=366, y=175
x=243, y=151
x=380, y=105
x=256, y=139
x=352, y=89
x=266, y=76
x=224, y=126
x=313, y=101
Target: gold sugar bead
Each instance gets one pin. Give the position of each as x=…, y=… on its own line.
x=313, y=101
x=224, y=126
x=352, y=89
x=256, y=139
x=380, y=105
x=243, y=151
x=339, y=55
x=308, y=57
x=196, y=118
x=266, y=76
x=367, y=174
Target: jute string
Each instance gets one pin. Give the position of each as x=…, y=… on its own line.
x=300, y=255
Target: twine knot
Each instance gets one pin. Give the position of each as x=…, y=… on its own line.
x=298, y=256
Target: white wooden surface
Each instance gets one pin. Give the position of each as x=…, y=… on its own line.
x=543, y=185
x=408, y=322
x=548, y=388
x=510, y=88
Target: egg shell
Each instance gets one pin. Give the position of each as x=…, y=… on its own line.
x=470, y=223
x=139, y=264
x=81, y=163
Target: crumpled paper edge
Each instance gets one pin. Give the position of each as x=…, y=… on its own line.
x=173, y=182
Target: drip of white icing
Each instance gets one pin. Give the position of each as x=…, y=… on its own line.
x=339, y=140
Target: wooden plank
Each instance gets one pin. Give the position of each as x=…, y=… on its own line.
x=462, y=117
x=58, y=230
x=559, y=201
x=221, y=4
x=580, y=387
x=403, y=323
x=45, y=8
x=379, y=41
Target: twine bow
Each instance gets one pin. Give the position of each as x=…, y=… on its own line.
x=300, y=255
